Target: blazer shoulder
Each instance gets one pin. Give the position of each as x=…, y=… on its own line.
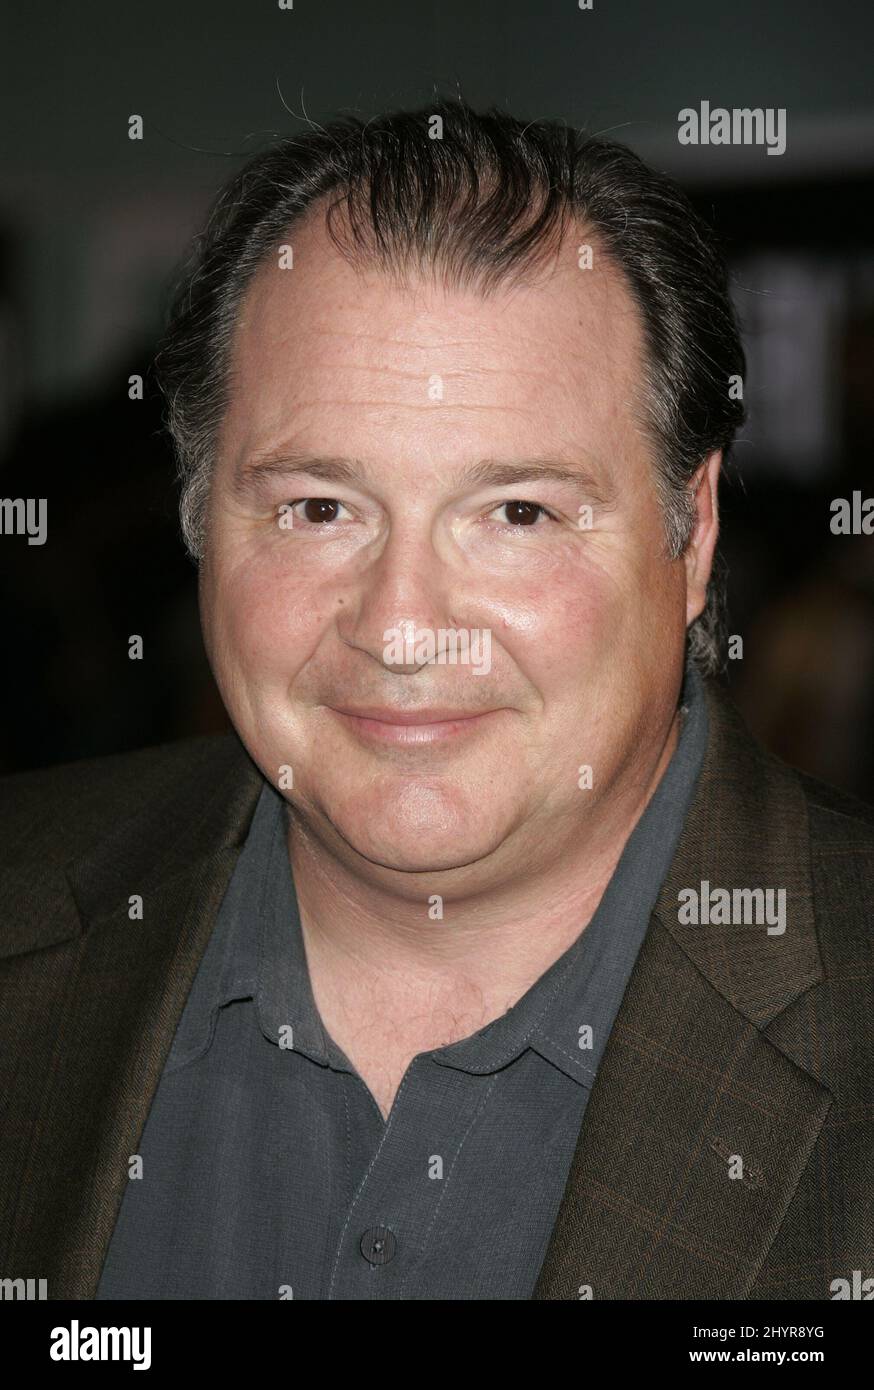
x=65, y=808
x=837, y=817
x=841, y=829
x=832, y=814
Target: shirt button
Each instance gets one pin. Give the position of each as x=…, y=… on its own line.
x=378, y=1245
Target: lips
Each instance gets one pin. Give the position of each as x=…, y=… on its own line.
x=433, y=714
x=413, y=728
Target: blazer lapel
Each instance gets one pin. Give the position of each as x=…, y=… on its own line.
x=104, y=1015
x=690, y=1089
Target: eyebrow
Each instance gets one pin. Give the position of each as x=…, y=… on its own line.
x=485, y=473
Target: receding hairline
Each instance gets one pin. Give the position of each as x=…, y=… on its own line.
x=447, y=265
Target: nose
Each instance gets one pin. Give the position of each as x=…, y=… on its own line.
x=402, y=592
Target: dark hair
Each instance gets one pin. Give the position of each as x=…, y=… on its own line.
x=481, y=199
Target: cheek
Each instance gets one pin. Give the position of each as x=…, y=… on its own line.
x=264, y=618
x=605, y=611
x=576, y=612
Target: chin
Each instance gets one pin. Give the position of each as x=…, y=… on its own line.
x=415, y=857
x=419, y=844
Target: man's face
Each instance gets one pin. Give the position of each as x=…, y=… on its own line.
x=565, y=577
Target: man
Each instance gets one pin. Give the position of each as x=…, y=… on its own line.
x=494, y=959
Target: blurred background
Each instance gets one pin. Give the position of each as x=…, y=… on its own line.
x=92, y=225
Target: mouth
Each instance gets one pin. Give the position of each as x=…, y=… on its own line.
x=411, y=727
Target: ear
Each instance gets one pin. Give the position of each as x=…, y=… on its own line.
x=702, y=543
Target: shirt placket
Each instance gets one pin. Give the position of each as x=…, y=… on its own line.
x=398, y=1209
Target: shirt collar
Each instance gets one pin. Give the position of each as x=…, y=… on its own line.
x=257, y=950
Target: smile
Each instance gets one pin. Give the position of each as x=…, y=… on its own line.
x=412, y=727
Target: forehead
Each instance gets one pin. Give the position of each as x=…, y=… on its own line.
x=322, y=349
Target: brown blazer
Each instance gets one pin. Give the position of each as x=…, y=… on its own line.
x=729, y=1041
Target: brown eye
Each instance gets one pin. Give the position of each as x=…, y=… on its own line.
x=318, y=509
x=523, y=513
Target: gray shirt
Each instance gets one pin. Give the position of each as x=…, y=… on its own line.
x=268, y=1170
